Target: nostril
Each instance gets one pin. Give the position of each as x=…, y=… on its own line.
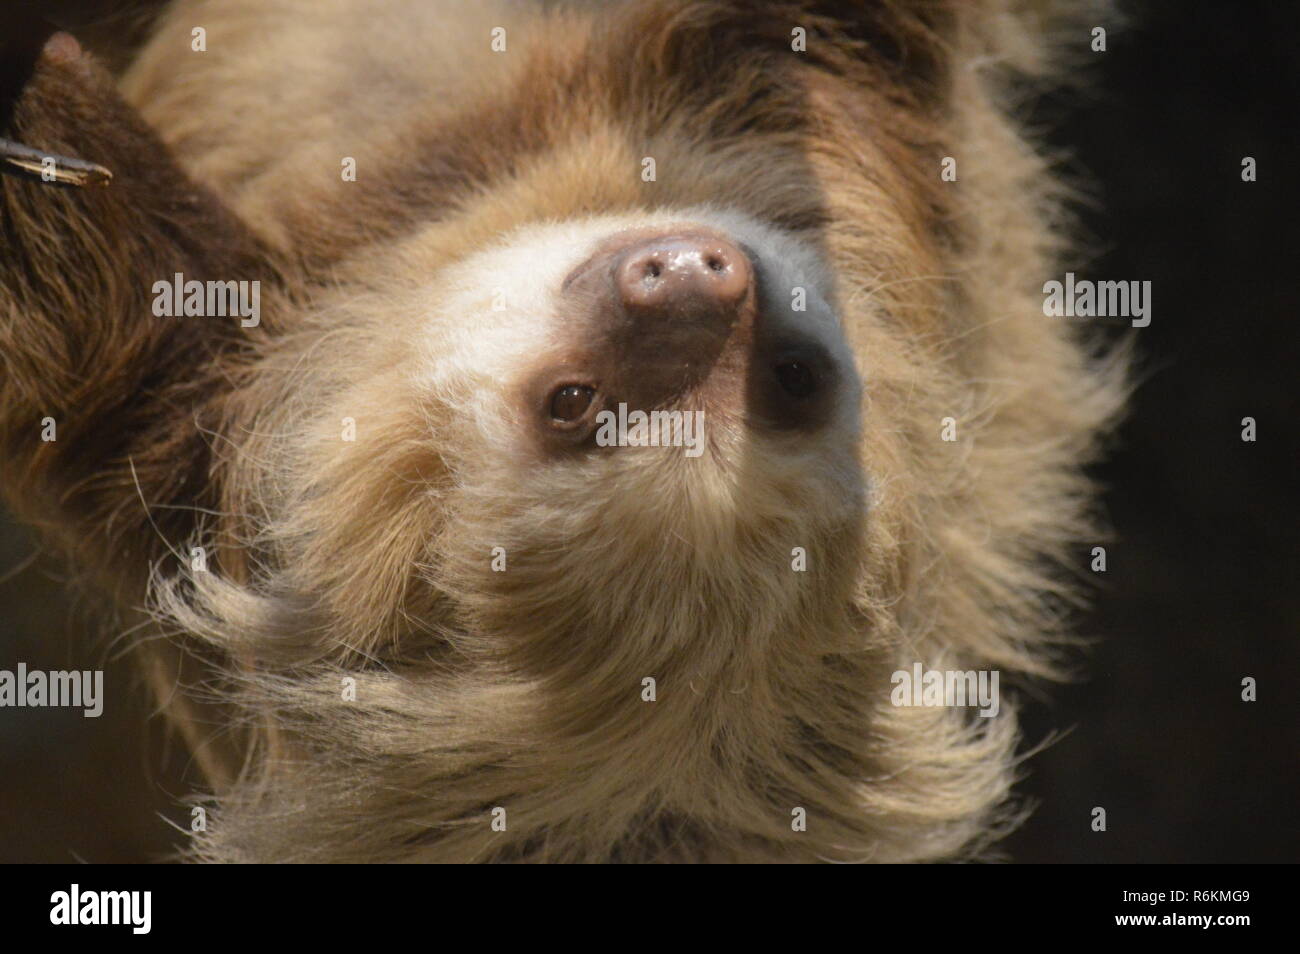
x=796, y=379
x=683, y=275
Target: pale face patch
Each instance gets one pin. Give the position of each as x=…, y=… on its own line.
x=473, y=337
x=502, y=313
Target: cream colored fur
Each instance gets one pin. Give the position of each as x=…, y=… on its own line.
x=522, y=690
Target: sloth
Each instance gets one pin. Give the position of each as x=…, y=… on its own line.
x=392, y=581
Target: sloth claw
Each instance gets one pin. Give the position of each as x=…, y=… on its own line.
x=19, y=160
x=25, y=162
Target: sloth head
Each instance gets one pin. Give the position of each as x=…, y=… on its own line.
x=706, y=335
x=640, y=427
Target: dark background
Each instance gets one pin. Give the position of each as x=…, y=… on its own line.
x=1201, y=587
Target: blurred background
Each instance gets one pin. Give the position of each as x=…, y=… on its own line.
x=1201, y=588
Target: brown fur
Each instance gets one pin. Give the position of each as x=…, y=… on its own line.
x=522, y=689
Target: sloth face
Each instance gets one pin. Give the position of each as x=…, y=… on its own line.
x=665, y=397
x=570, y=327
x=676, y=363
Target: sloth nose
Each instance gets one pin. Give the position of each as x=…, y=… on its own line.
x=696, y=278
x=681, y=317
x=658, y=312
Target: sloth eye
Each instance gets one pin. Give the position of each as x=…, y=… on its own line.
x=570, y=402
x=796, y=379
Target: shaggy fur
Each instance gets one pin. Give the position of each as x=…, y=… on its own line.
x=372, y=559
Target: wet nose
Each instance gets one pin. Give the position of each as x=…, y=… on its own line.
x=654, y=313
x=684, y=277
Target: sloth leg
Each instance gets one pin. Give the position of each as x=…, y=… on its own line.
x=80, y=345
